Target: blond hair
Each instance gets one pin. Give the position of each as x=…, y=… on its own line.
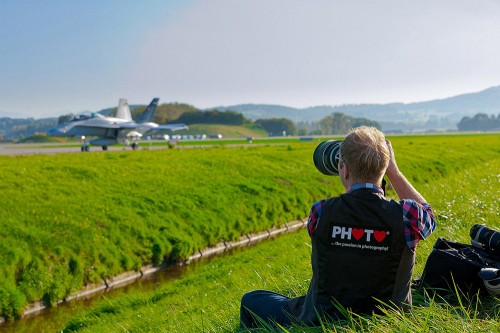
x=365, y=152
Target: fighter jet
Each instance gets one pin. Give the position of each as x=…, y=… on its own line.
x=112, y=130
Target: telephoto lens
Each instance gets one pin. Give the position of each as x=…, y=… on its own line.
x=326, y=157
x=486, y=238
x=491, y=279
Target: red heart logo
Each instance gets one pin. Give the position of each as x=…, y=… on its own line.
x=358, y=233
x=379, y=235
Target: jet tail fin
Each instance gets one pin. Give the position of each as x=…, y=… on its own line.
x=147, y=115
x=123, y=111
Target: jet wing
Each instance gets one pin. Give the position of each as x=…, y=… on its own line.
x=166, y=128
x=128, y=126
x=85, y=127
x=172, y=127
x=90, y=130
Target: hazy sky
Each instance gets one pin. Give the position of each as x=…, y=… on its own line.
x=61, y=56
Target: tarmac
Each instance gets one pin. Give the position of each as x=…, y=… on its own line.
x=60, y=148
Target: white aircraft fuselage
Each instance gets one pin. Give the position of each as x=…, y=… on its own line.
x=111, y=130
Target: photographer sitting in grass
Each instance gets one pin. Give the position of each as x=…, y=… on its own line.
x=363, y=244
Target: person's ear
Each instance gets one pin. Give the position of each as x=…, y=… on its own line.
x=344, y=169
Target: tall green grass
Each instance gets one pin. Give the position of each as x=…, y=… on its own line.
x=68, y=220
x=207, y=299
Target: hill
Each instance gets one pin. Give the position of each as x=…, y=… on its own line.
x=440, y=114
x=20, y=128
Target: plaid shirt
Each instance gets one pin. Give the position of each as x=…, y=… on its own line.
x=418, y=218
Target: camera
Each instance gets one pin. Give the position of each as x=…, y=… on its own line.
x=485, y=238
x=326, y=157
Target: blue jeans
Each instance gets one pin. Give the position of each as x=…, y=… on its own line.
x=263, y=305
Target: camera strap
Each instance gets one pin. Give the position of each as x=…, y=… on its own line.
x=383, y=185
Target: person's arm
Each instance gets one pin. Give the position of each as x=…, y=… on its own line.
x=314, y=216
x=404, y=189
x=417, y=214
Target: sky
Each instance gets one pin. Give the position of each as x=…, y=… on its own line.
x=59, y=57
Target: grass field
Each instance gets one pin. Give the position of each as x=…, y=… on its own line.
x=68, y=220
x=72, y=219
x=227, y=131
x=207, y=300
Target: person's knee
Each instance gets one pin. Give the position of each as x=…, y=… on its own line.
x=247, y=309
x=250, y=297
x=251, y=302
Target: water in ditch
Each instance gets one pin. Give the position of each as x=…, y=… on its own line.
x=54, y=319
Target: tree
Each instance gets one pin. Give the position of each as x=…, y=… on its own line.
x=64, y=118
x=212, y=117
x=339, y=123
x=277, y=126
x=164, y=112
x=171, y=112
x=480, y=122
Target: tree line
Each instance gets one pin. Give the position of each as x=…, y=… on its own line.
x=480, y=122
x=14, y=129
x=336, y=123
x=333, y=124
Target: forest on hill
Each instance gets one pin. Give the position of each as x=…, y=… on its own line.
x=480, y=122
x=433, y=115
x=439, y=115
x=336, y=123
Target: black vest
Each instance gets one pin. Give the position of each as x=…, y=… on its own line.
x=359, y=257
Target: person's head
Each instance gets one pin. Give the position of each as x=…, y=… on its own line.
x=365, y=153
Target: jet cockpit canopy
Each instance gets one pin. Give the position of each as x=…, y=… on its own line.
x=86, y=115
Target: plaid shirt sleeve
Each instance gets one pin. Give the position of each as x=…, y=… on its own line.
x=314, y=216
x=419, y=221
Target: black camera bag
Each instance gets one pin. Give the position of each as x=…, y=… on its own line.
x=455, y=265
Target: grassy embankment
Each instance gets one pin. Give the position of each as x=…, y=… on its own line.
x=227, y=131
x=207, y=300
x=459, y=175
x=72, y=219
x=456, y=176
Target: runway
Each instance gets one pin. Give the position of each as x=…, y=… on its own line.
x=61, y=148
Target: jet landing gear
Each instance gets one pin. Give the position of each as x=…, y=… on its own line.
x=104, y=148
x=85, y=145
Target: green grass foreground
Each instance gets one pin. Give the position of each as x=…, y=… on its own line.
x=207, y=298
x=72, y=219
x=67, y=220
